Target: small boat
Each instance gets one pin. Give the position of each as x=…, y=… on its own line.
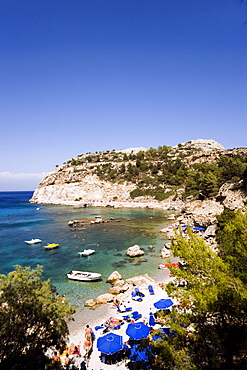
x=83, y=275
x=51, y=246
x=33, y=241
x=165, y=266
x=86, y=252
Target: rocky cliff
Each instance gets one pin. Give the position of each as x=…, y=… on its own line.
x=80, y=181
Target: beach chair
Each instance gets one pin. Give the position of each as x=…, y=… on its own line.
x=125, y=309
x=138, y=293
x=135, y=315
x=135, y=297
x=151, y=290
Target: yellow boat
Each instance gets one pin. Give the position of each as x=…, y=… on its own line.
x=51, y=246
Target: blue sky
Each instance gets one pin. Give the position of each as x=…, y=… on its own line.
x=82, y=76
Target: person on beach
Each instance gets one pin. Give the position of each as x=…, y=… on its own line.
x=88, y=331
x=87, y=346
x=63, y=299
x=56, y=361
x=67, y=362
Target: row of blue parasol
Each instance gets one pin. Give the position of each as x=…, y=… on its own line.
x=111, y=342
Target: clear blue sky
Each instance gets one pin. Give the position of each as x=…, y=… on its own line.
x=81, y=76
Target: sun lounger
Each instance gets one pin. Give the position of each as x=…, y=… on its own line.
x=123, y=309
x=135, y=297
x=135, y=315
x=151, y=290
x=138, y=293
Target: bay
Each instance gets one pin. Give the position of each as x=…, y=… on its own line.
x=21, y=220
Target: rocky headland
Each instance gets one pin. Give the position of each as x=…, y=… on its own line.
x=103, y=179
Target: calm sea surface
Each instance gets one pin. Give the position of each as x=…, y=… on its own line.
x=20, y=221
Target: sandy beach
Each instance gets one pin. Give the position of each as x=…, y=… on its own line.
x=143, y=307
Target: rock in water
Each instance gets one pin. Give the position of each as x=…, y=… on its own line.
x=134, y=251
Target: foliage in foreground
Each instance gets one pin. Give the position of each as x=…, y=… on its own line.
x=31, y=319
x=217, y=314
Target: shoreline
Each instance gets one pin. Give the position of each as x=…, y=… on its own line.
x=100, y=311
x=107, y=311
x=152, y=204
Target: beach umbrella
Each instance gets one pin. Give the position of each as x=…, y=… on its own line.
x=137, y=330
x=110, y=343
x=163, y=303
x=151, y=320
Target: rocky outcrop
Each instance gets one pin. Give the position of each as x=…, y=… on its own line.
x=134, y=251
x=104, y=298
x=232, y=196
x=201, y=212
x=120, y=289
x=205, y=145
x=74, y=189
x=114, y=277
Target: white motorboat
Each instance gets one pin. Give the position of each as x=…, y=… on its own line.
x=86, y=252
x=33, y=241
x=83, y=275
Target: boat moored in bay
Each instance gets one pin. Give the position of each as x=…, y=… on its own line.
x=83, y=275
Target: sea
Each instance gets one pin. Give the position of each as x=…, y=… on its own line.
x=21, y=220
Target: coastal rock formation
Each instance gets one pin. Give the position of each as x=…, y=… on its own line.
x=134, y=251
x=202, y=213
x=115, y=290
x=70, y=188
x=165, y=253
x=90, y=303
x=114, y=277
x=104, y=298
x=144, y=280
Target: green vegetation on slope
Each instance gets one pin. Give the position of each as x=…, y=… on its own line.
x=160, y=172
x=216, y=295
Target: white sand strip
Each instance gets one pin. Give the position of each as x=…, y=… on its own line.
x=144, y=307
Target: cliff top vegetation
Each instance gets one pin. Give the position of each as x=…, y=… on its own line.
x=195, y=169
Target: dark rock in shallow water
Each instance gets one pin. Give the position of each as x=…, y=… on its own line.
x=119, y=263
x=118, y=255
x=142, y=260
x=138, y=263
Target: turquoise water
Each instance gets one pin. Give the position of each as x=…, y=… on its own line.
x=20, y=221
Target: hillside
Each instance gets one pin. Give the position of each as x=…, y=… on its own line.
x=195, y=170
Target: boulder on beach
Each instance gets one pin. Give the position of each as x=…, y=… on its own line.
x=104, y=298
x=90, y=303
x=144, y=280
x=115, y=289
x=119, y=283
x=134, y=251
x=114, y=277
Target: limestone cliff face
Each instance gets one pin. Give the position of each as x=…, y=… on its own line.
x=68, y=188
x=82, y=180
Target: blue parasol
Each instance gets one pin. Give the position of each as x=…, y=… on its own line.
x=137, y=330
x=110, y=343
x=163, y=303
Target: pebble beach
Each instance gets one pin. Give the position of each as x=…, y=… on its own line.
x=108, y=311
